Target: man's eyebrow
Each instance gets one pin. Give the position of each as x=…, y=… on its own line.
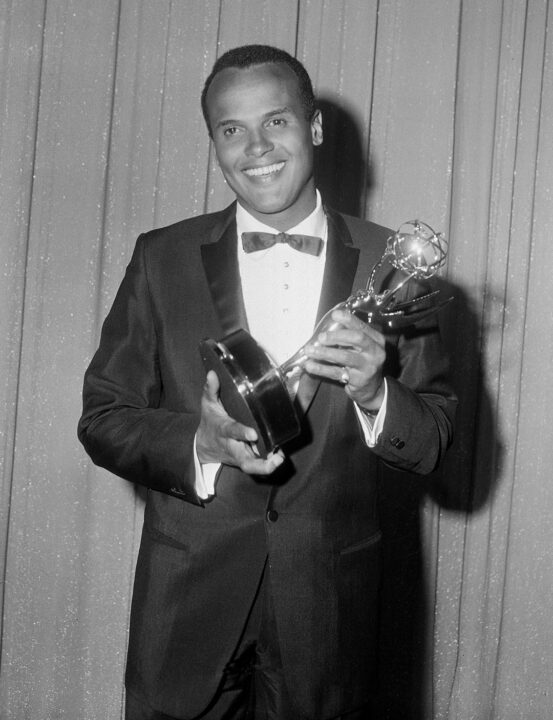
x=226, y=123
x=277, y=111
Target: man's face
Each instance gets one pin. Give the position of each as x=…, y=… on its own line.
x=263, y=142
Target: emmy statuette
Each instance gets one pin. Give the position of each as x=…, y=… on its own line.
x=258, y=393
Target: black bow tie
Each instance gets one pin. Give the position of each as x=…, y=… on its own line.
x=253, y=241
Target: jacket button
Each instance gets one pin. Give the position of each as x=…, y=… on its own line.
x=396, y=442
x=272, y=515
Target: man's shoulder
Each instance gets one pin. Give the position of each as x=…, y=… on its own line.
x=198, y=228
x=362, y=231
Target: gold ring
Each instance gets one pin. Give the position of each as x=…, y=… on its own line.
x=344, y=377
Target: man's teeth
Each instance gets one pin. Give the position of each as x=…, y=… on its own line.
x=267, y=170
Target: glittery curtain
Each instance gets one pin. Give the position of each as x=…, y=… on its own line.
x=433, y=109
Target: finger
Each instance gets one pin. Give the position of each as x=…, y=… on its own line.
x=258, y=466
x=330, y=372
x=352, y=322
x=346, y=318
x=360, y=337
x=214, y=411
x=234, y=430
x=335, y=355
x=212, y=386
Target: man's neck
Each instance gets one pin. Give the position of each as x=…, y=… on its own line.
x=276, y=223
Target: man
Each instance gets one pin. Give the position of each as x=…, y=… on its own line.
x=256, y=584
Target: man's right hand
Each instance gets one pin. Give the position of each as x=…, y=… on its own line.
x=220, y=439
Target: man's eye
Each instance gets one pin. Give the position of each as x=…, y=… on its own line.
x=230, y=131
x=276, y=122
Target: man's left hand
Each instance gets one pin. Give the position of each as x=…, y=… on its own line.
x=352, y=354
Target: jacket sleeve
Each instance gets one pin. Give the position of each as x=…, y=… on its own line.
x=420, y=411
x=123, y=427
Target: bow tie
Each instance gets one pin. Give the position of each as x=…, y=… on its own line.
x=253, y=241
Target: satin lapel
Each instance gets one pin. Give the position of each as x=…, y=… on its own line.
x=340, y=268
x=220, y=260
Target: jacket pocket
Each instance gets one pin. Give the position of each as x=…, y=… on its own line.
x=362, y=544
x=161, y=537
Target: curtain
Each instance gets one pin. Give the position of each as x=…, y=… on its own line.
x=433, y=109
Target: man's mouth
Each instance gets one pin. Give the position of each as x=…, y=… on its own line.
x=265, y=170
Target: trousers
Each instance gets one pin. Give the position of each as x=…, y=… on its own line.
x=254, y=686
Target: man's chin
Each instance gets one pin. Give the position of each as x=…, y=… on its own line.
x=265, y=207
x=290, y=208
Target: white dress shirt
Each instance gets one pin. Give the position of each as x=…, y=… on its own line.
x=281, y=289
x=281, y=286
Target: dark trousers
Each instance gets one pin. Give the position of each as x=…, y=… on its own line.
x=253, y=687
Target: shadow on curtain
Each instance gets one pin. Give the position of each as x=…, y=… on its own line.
x=466, y=483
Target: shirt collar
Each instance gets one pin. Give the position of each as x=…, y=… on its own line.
x=313, y=224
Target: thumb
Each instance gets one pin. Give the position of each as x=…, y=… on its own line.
x=212, y=386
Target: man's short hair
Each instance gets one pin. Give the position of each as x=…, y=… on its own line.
x=246, y=56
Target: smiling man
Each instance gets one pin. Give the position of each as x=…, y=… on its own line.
x=264, y=138
x=257, y=579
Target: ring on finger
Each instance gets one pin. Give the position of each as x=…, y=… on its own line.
x=344, y=377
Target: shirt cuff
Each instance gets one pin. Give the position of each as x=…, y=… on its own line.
x=372, y=426
x=205, y=475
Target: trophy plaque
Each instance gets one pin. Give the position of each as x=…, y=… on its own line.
x=260, y=394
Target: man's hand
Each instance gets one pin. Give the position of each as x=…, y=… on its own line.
x=220, y=439
x=352, y=354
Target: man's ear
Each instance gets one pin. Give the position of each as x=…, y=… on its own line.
x=317, y=128
x=213, y=152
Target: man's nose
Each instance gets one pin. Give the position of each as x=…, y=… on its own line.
x=258, y=143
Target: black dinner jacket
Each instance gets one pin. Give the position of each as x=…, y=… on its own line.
x=200, y=563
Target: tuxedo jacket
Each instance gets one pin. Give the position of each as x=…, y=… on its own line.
x=200, y=563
